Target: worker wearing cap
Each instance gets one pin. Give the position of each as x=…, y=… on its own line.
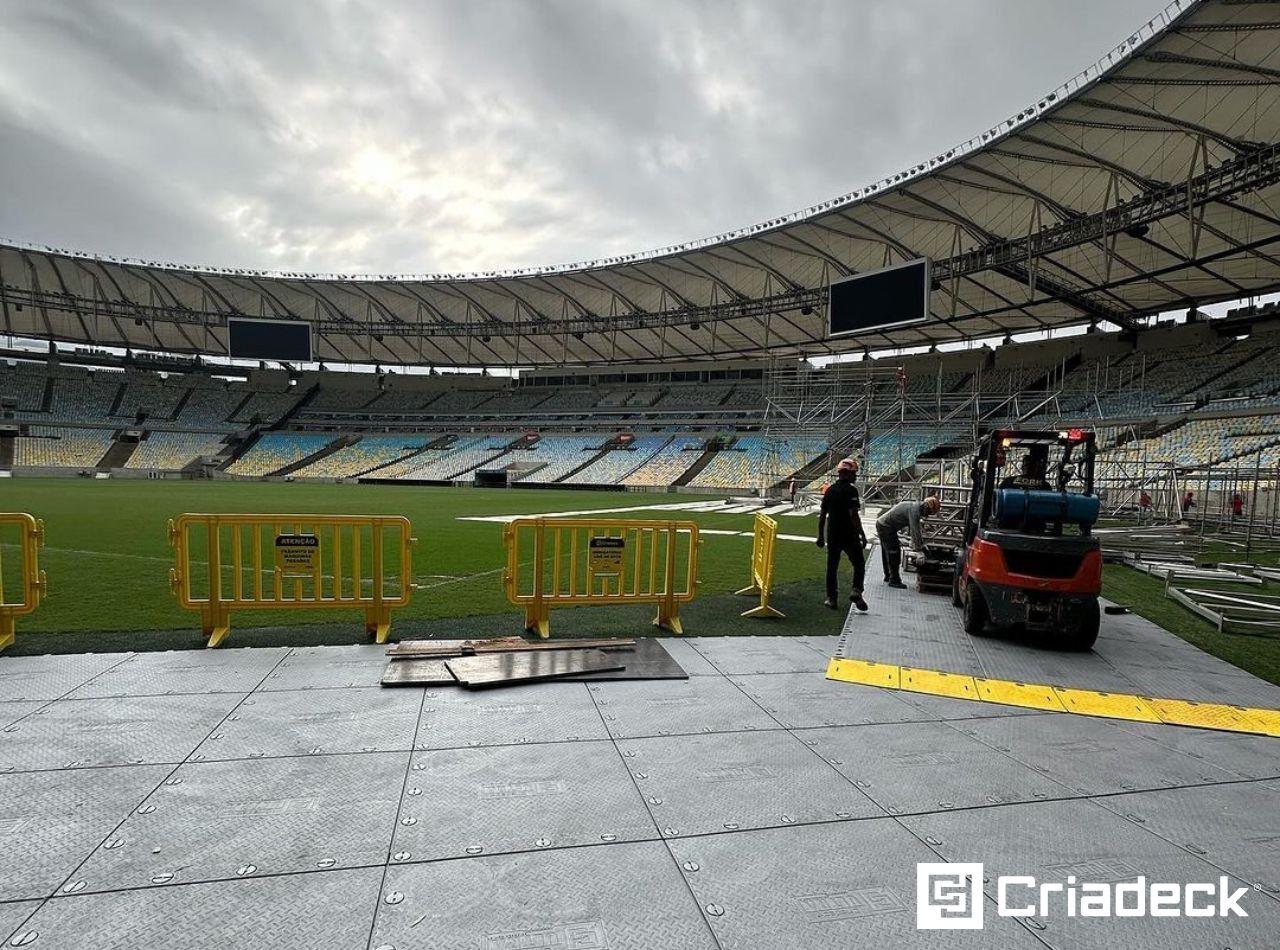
x=905, y=514
x=840, y=532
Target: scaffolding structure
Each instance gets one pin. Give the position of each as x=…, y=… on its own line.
x=868, y=408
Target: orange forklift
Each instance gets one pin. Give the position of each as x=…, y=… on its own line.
x=1029, y=559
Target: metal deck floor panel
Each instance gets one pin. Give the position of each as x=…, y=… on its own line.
x=678, y=707
x=331, y=910
x=617, y=896
x=184, y=671
x=518, y=798
x=690, y=660
x=537, y=816
x=1023, y=661
x=50, y=677
x=647, y=660
x=929, y=766
x=824, y=644
x=328, y=668
x=1132, y=655
x=947, y=708
x=12, y=712
x=953, y=657
x=1237, y=687
x=51, y=821
x=800, y=700
x=1131, y=627
x=131, y=730
x=312, y=722
x=12, y=916
x=703, y=784
x=222, y=820
x=1092, y=756
x=419, y=671
x=1245, y=756
x=1168, y=652
x=738, y=655
x=538, y=712
x=1233, y=827
x=823, y=887
x=495, y=670
x=1054, y=840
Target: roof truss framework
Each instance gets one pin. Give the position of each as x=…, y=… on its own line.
x=1152, y=184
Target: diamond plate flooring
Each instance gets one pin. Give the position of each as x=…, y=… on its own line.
x=51, y=821
x=124, y=730
x=1132, y=655
x=51, y=677
x=314, y=722
x=279, y=798
x=619, y=897
x=323, y=911
x=517, y=798
x=12, y=916
x=701, y=784
x=329, y=668
x=828, y=887
x=1084, y=840
x=220, y=820
x=210, y=671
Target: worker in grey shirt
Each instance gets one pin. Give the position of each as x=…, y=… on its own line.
x=905, y=514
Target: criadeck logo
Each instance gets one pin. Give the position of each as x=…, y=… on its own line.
x=950, y=897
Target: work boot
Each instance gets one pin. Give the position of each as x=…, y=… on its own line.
x=897, y=582
x=857, y=601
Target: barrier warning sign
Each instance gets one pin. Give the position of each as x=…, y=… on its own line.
x=297, y=555
x=605, y=555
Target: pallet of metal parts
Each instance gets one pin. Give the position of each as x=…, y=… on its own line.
x=1265, y=573
x=1170, y=542
x=1172, y=573
x=1136, y=560
x=1257, y=614
x=511, y=669
x=418, y=671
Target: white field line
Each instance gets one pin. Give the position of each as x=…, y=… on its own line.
x=675, y=506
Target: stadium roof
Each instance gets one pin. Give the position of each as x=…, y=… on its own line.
x=1146, y=183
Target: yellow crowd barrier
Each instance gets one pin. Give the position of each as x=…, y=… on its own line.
x=562, y=562
x=762, y=550
x=292, y=562
x=27, y=586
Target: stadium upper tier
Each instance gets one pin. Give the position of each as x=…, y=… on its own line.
x=1146, y=183
x=1184, y=395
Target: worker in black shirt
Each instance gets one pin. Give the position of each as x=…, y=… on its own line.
x=840, y=532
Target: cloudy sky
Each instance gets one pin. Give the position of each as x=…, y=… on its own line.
x=378, y=136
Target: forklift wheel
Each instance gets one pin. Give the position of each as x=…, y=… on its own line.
x=955, y=590
x=975, y=611
x=1085, y=633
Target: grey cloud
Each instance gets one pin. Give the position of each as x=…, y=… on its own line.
x=355, y=135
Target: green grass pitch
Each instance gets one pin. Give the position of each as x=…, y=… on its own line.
x=108, y=558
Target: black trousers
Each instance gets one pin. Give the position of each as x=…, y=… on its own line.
x=890, y=553
x=853, y=548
